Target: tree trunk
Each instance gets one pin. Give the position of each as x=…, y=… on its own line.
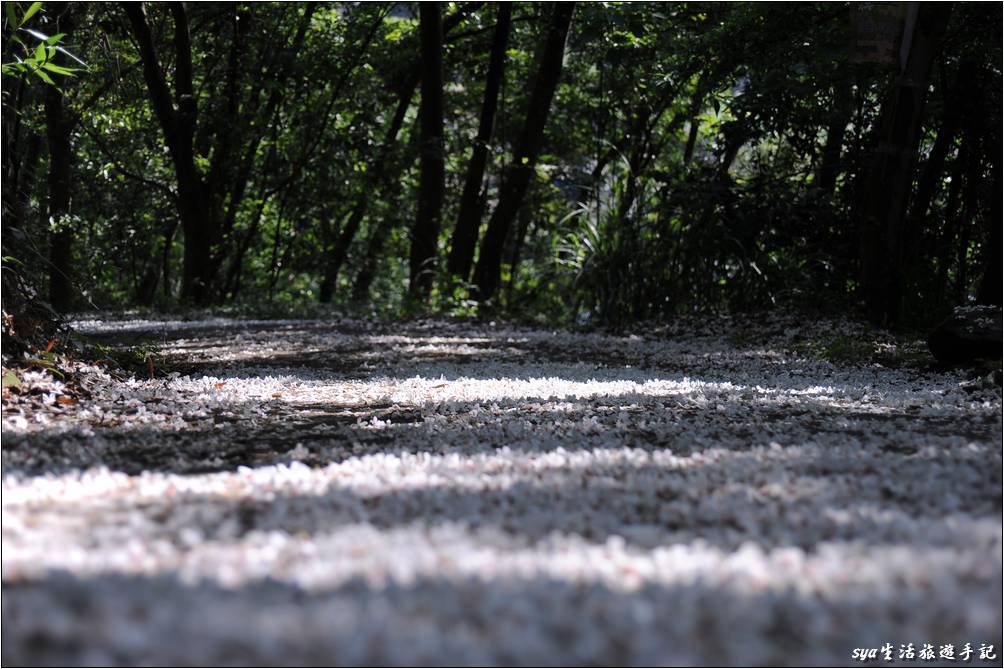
x=886, y=189
x=465, y=234
x=57, y=129
x=932, y=178
x=696, y=100
x=522, y=229
x=517, y=176
x=990, y=283
x=178, y=125
x=951, y=220
x=375, y=174
x=230, y=174
x=157, y=271
x=829, y=167
x=432, y=166
x=22, y=149
x=368, y=269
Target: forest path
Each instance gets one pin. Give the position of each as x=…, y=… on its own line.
x=312, y=492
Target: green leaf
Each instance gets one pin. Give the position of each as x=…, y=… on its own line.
x=59, y=69
x=44, y=77
x=11, y=379
x=40, y=53
x=55, y=38
x=32, y=10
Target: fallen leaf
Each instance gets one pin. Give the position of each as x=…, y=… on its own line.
x=11, y=379
x=276, y=394
x=219, y=386
x=65, y=400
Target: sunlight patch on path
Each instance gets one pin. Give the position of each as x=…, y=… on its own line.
x=609, y=498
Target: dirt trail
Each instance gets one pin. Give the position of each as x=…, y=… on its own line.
x=313, y=492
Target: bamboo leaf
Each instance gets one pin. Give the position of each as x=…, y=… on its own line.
x=59, y=69
x=32, y=10
x=44, y=77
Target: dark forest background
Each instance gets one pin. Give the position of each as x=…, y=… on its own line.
x=590, y=163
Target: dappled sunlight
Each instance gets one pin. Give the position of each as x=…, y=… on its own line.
x=525, y=469
x=501, y=334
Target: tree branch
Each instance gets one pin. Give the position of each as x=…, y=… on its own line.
x=122, y=169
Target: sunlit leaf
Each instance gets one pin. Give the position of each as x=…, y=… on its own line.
x=32, y=10
x=44, y=77
x=58, y=69
x=11, y=379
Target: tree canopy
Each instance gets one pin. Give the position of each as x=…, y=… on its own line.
x=591, y=162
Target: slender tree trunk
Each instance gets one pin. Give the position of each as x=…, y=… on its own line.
x=432, y=166
x=230, y=175
x=695, y=124
x=231, y=286
x=971, y=209
x=22, y=149
x=368, y=270
x=688, y=150
x=487, y=274
x=932, y=177
x=57, y=129
x=178, y=124
x=886, y=190
x=165, y=272
x=465, y=234
x=829, y=167
x=380, y=233
x=990, y=283
x=951, y=219
x=335, y=257
x=157, y=267
x=375, y=175
x=525, y=217
x=371, y=258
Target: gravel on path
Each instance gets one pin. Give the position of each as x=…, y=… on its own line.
x=437, y=493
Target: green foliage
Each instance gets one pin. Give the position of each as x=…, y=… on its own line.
x=37, y=60
x=683, y=169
